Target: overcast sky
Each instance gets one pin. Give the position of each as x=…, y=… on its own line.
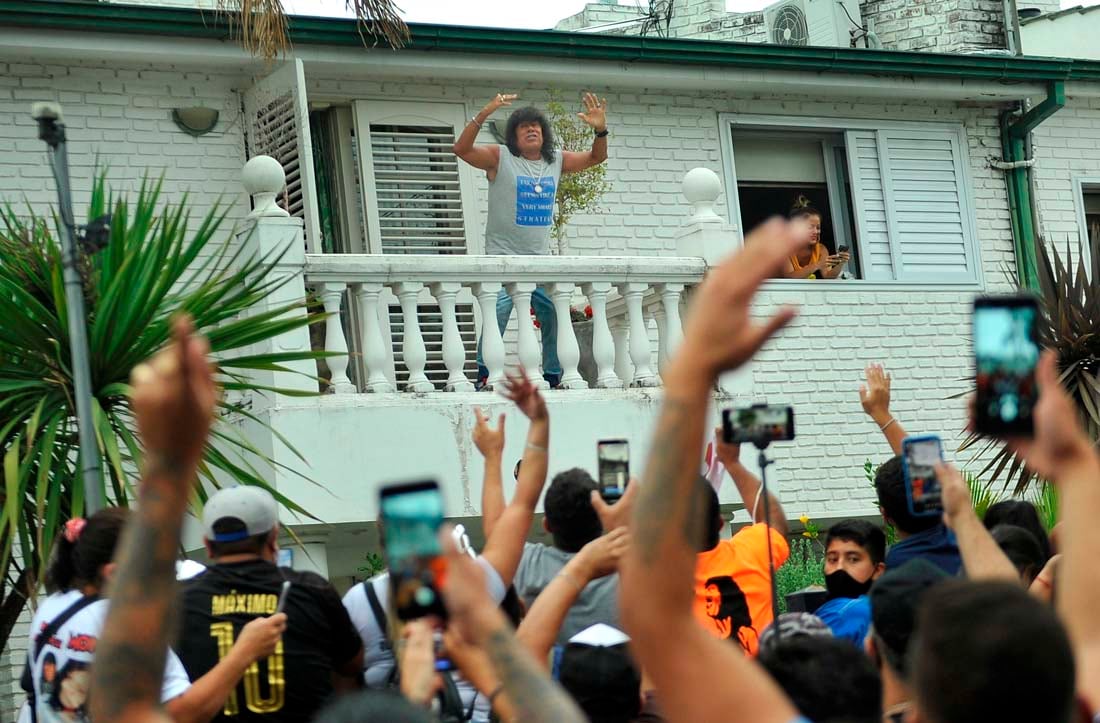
x=509, y=13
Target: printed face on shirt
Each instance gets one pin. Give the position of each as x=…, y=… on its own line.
x=713, y=600
x=851, y=558
x=74, y=688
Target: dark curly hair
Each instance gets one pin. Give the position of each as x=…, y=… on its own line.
x=570, y=517
x=78, y=563
x=528, y=115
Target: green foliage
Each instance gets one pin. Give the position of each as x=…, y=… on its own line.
x=869, y=471
x=805, y=567
x=1069, y=301
x=1045, y=499
x=982, y=494
x=157, y=264
x=577, y=192
x=373, y=563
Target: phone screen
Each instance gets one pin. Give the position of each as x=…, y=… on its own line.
x=411, y=515
x=613, y=458
x=760, y=423
x=923, y=487
x=1006, y=350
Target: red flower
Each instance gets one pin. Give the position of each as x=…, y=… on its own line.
x=535, y=321
x=588, y=311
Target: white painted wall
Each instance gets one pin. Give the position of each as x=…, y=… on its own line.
x=1069, y=35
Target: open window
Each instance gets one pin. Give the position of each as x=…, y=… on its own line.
x=896, y=193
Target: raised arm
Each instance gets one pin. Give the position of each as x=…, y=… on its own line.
x=698, y=674
x=749, y=486
x=484, y=157
x=504, y=548
x=173, y=400
x=874, y=395
x=595, y=115
x=1062, y=452
x=598, y=558
x=981, y=555
x=530, y=693
x=490, y=443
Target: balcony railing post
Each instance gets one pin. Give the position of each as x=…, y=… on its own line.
x=530, y=355
x=569, y=352
x=491, y=343
x=640, y=351
x=662, y=338
x=374, y=346
x=332, y=295
x=603, y=346
x=454, y=353
x=413, y=352
x=620, y=335
x=672, y=330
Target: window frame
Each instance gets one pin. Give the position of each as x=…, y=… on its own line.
x=1082, y=184
x=728, y=123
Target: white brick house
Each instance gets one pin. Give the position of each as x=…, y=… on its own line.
x=897, y=145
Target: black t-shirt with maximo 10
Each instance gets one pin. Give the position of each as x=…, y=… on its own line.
x=294, y=682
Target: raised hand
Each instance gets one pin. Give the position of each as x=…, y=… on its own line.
x=489, y=441
x=615, y=515
x=525, y=395
x=720, y=334
x=1059, y=441
x=595, y=112
x=419, y=680
x=259, y=637
x=728, y=454
x=956, y=495
x=601, y=556
x=499, y=101
x=173, y=397
x=874, y=395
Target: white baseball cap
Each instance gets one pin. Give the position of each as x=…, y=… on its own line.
x=245, y=510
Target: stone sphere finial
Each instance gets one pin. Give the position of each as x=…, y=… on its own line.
x=264, y=178
x=701, y=188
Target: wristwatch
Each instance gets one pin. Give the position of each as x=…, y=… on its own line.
x=602, y=134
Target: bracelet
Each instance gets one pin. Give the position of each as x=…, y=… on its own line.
x=885, y=426
x=567, y=576
x=602, y=134
x=475, y=121
x=535, y=447
x=1039, y=578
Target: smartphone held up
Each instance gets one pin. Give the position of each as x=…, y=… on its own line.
x=923, y=490
x=760, y=424
x=1006, y=352
x=613, y=468
x=411, y=515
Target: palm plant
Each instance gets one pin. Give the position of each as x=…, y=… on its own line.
x=153, y=267
x=263, y=27
x=1069, y=301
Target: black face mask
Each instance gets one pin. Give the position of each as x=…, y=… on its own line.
x=841, y=584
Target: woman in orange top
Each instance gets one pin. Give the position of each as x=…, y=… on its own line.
x=814, y=261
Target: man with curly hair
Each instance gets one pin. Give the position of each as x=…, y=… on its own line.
x=523, y=182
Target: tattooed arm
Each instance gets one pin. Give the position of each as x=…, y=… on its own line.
x=173, y=400
x=696, y=673
x=530, y=693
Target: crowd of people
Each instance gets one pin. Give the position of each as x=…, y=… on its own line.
x=639, y=610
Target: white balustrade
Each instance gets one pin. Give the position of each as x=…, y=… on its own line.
x=374, y=346
x=625, y=293
x=492, y=344
x=603, y=346
x=530, y=355
x=454, y=354
x=569, y=353
x=640, y=352
x=332, y=296
x=413, y=352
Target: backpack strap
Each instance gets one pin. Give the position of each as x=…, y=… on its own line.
x=26, y=681
x=379, y=613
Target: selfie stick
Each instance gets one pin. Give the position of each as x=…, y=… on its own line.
x=51, y=129
x=762, y=444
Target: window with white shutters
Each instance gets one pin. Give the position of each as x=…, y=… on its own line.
x=418, y=198
x=277, y=125
x=907, y=187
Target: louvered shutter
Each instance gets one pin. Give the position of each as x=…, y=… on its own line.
x=418, y=199
x=277, y=120
x=913, y=211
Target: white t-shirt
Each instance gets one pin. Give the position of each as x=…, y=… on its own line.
x=61, y=673
x=378, y=661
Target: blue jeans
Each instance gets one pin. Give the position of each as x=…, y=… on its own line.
x=548, y=322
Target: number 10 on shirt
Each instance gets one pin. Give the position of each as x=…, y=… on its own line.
x=276, y=682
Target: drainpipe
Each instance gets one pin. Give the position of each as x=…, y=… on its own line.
x=1015, y=133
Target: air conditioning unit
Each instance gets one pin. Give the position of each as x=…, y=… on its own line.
x=825, y=23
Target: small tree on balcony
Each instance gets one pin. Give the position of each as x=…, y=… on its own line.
x=577, y=192
x=156, y=263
